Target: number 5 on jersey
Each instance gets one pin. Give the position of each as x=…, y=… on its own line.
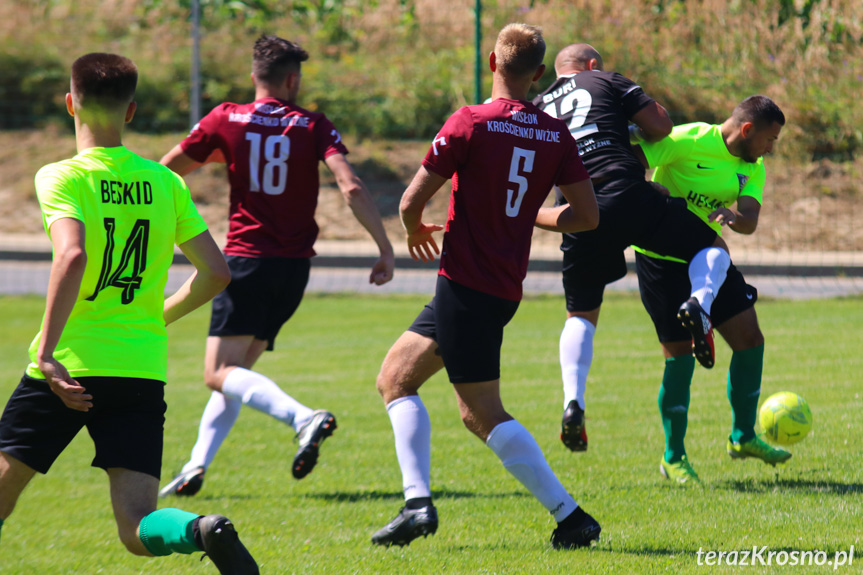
x=515, y=167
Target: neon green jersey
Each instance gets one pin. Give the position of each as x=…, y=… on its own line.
x=134, y=211
x=694, y=163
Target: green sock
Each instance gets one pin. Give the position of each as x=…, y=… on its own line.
x=167, y=531
x=674, y=404
x=744, y=388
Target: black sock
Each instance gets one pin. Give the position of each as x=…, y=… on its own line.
x=418, y=502
x=196, y=532
x=574, y=519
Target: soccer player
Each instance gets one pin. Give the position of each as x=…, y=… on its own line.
x=503, y=157
x=719, y=171
x=100, y=359
x=597, y=106
x=272, y=148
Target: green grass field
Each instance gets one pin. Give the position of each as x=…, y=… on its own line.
x=328, y=356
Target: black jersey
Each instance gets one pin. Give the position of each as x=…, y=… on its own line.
x=597, y=107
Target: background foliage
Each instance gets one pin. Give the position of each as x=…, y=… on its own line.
x=397, y=68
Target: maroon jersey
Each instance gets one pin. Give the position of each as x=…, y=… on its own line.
x=272, y=149
x=504, y=158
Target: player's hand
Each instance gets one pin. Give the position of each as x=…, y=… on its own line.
x=660, y=188
x=722, y=216
x=71, y=393
x=421, y=243
x=382, y=271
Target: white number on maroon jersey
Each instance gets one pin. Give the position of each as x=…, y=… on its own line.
x=277, y=149
x=513, y=204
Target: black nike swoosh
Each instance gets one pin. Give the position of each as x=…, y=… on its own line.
x=700, y=167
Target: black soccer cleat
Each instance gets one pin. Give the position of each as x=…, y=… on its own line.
x=187, y=483
x=310, y=437
x=408, y=525
x=572, y=429
x=578, y=536
x=222, y=545
x=697, y=322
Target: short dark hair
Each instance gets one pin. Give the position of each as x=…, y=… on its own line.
x=104, y=80
x=274, y=58
x=760, y=110
x=519, y=49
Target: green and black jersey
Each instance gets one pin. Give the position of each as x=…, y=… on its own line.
x=694, y=163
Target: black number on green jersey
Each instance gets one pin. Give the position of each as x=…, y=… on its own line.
x=134, y=254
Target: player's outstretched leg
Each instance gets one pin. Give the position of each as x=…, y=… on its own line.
x=310, y=436
x=572, y=429
x=187, y=483
x=222, y=545
x=697, y=322
x=577, y=530
x=408, y=525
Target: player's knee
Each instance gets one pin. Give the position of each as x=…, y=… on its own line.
x=472, y=423
x=211, y=383
x=393, y=382
x=129, y=538
x=385, y=379
x=213, y=378
x=757, y=338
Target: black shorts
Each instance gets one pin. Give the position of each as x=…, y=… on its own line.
x=263, y=294
x=631, y=212
x=664, y=285
x=126, y=423
x=468, y=328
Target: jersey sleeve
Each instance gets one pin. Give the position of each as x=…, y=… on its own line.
x=754, y=186
x=632, y=97
x=58, y=195
x=202, y=140
x=189, y=221
x=674, y=147
x=328, y=139
x=450, y=146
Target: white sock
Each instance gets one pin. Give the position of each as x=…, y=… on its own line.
x=216, y=422
x=412, y=430
x=522, y=457
x=261, y=393
x=576, y=355
x=707, y=272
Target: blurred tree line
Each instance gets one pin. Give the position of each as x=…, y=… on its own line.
x=397, y=68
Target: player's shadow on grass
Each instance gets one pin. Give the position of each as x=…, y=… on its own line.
x=437, y=494
x=786, y=485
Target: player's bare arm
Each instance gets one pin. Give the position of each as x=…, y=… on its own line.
x=179, y=162
x=210, y=277
x=743, y=219
x=653, y=123
x=362, y=205
x=580, y=215
x=421, y=242
x=67, y=270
